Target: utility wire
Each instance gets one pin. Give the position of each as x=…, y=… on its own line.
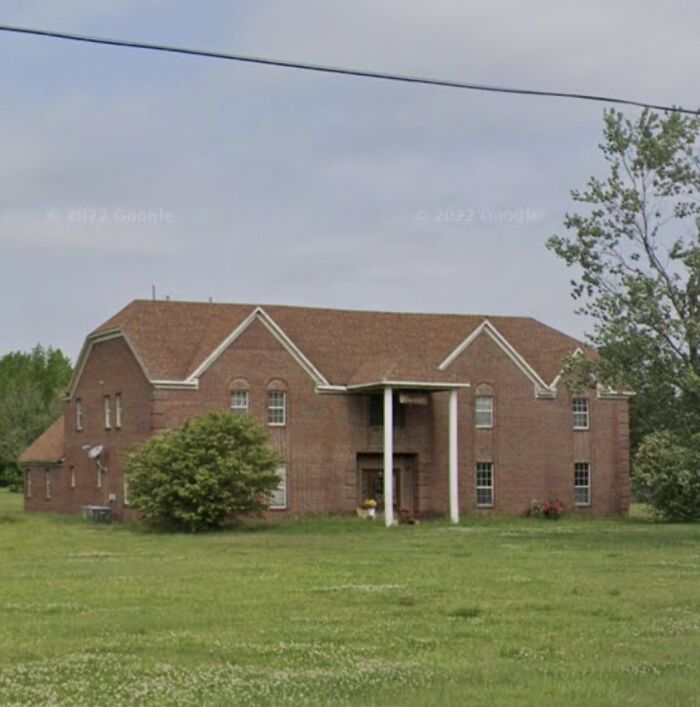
x=340, y=70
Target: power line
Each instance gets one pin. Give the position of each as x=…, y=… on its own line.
x=359, y=73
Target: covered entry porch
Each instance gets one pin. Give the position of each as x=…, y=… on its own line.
x=392, y=478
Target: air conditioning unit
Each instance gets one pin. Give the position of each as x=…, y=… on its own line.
x=98, y=514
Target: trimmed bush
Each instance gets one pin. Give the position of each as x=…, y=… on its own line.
x=213, y=470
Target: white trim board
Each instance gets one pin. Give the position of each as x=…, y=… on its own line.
x=259, y=314
x=542, y=390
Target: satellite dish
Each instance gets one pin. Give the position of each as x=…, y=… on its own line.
x=95, y=451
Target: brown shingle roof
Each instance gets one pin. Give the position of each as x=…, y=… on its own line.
x=48, y=448
x=174, y=338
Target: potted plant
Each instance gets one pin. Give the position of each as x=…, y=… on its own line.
x=370, y=506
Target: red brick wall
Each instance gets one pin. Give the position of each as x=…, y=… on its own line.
x=533, y=445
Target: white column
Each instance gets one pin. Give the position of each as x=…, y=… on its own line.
x=452, y=451
x=388, y=456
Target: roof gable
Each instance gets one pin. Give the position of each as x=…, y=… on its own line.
x=177, y=341
x=49, y=447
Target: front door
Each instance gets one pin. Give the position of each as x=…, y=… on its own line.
x=371, y=485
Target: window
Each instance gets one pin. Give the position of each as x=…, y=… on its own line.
x=78, y=415
x=126, y=492
x=483, y=411
x=99, y=476
x=376, y=411
x=580, y=408
x=28, y=483
x=276, y=407
x=239, y=400
x=582, y=484
x=72, y=477
x=118, y=410
x=484, y=484
x=47, y=476
x=278, y=498
x=108, y=412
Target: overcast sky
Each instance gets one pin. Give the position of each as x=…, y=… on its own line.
x=122, y=168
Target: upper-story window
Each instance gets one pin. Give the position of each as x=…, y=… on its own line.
x=108, y=412
x=581, y=414
x=376, y=411
x=240, y=400
x=276, y=407
x=78, y=415
x=483, y=411
x=118, y=410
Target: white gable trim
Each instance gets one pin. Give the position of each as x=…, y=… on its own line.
x=87, y=350
x=259, y=314
x=542, y=390
x=556, y=381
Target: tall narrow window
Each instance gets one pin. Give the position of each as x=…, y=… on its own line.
x=582, y=484
x=72, y=477
x=126, y=493
x=483, y=411
x=28, y=483
x=99, y=476
x=276, y=407
x=118, y=410
x=108, y=412
x=239, y=400
x=47, y=476
x=581, y=416
x=278, y=498
x=484, y=484
x=79, y=415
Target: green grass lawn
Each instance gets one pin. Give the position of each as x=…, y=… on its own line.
x=493, y=612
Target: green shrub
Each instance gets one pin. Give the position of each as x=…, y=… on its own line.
x=667, y=475
x=11, y=476
x=211, y=471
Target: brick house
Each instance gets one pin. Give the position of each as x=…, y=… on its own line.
x=426, y=413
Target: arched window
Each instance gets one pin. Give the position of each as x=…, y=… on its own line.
x=240, y=395
x=483, y=406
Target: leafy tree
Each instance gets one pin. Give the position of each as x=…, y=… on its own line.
x=636, y=246
x=666, y=473
x=30, y=400
x=214, y=469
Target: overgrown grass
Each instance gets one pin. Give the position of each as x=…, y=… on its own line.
x=341, y=611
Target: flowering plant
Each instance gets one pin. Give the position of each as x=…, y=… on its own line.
x=553, y=509
x=369, y=503
x=549, y=509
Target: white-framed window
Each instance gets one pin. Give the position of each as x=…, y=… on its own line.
x=118, y=410
x=582, y=484
x=484, y=484
x=28, y=483
x=276, y=407
x=278, y=498
x=240, y=400
x=72, y=477
x=126, y=492
x=79, y=415
x=581, y=415
x=108, y=412
x=47, y=480
x=483, y=411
